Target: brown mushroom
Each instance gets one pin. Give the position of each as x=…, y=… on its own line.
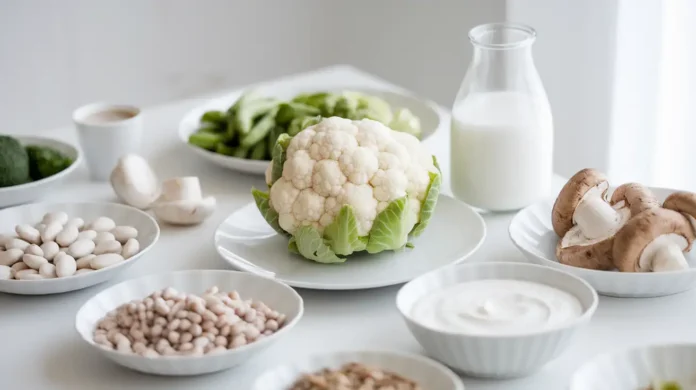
x=681, y=201
x=653, y=240
x=636, y=196
x=586, y=222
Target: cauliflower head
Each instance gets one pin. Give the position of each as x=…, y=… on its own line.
x=342, y=186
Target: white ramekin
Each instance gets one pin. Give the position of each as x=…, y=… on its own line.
x=506, y=356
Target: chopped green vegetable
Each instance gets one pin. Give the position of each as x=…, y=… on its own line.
x=45, y=161
x=206, y=140
x=255, y=119
x=215, y=118
x=14, y=162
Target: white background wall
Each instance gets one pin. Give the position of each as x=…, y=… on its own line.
x=57, y=55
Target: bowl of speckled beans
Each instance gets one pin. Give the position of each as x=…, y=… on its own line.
x=188, y=322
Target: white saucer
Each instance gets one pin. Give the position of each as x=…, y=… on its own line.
x=246, y=241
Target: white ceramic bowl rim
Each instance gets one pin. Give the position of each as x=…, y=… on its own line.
x=587, y=314
x=288, y=325
x=424, y=360
x=64, y=172
x=618, y=274
x=115, y=266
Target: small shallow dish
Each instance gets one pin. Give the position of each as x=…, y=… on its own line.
x=532, y=233
x=493, y=356
x=148, y=233
x=28, y=192
x=276, y=295
x=423, y=109
x=247, y=243
x=638, y=368
x=429, y=374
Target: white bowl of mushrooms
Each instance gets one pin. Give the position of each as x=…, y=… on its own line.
x=626, y=241
x=188, y=322
x=49, y=248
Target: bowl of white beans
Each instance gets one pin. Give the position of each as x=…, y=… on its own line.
x=188, y=322
x=49, y=248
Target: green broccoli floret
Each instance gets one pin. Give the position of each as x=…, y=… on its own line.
x=45, y=161
x=14, y=162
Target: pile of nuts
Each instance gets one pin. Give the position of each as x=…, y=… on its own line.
x=172, y=323
x=59, y=247
x=354, y=376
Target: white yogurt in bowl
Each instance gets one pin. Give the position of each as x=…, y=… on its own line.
x=496, y=307
x=496, y=320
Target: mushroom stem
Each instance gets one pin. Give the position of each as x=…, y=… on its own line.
x=664, y=253
x=596, y=217
x=669, y=257
x=181, y=188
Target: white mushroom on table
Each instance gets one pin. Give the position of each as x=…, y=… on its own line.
x=629, y=232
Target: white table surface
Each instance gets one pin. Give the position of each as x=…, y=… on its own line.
x=40, y=349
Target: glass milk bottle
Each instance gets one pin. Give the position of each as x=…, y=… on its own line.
x=502, y=129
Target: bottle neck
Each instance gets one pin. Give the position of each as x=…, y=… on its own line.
x=502, y=69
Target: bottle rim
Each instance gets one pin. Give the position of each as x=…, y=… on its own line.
x=524, y=35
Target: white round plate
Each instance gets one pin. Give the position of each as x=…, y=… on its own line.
x=28, y=192
x=423, y=109
x=246, y=241
x=274, y=294
x=531, y=231
x=637, y=368
x=148, y=233
x=427, y=373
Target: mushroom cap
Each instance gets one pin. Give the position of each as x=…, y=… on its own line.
x=641, y=230
x=636, y=196
x=570, y=196
x=681, y=201
x=134, y=181
x=184, y=212
x=596, y=256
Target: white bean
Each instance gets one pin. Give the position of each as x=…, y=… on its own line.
x=34, y=249
x=103, y=236
x=50, y=249
x=88, y=234
x=58, y=216
x=5, y=272
x=50, y=232
x=11, y=256
x=17, y=243
x=65, y=266
x=67, y=236
x=106, y=260
x=124, y=233
x=40, y=227
x=19, y=266
x=83, y=271
x=84, y=262
x=25, y=274
x=77, y=222
x=48, y=271
x=34, y=261
x=81, y=248
x=4, y=238
x=107, y=247
x=28, y=233
x=102, y=224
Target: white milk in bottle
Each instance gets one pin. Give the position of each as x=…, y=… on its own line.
x=502, y=150
x=502, y=129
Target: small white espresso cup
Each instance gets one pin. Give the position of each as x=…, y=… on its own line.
x=107, y=132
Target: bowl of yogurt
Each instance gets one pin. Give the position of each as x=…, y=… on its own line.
x=496, y=320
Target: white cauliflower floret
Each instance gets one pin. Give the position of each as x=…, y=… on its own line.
x=340, y=162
